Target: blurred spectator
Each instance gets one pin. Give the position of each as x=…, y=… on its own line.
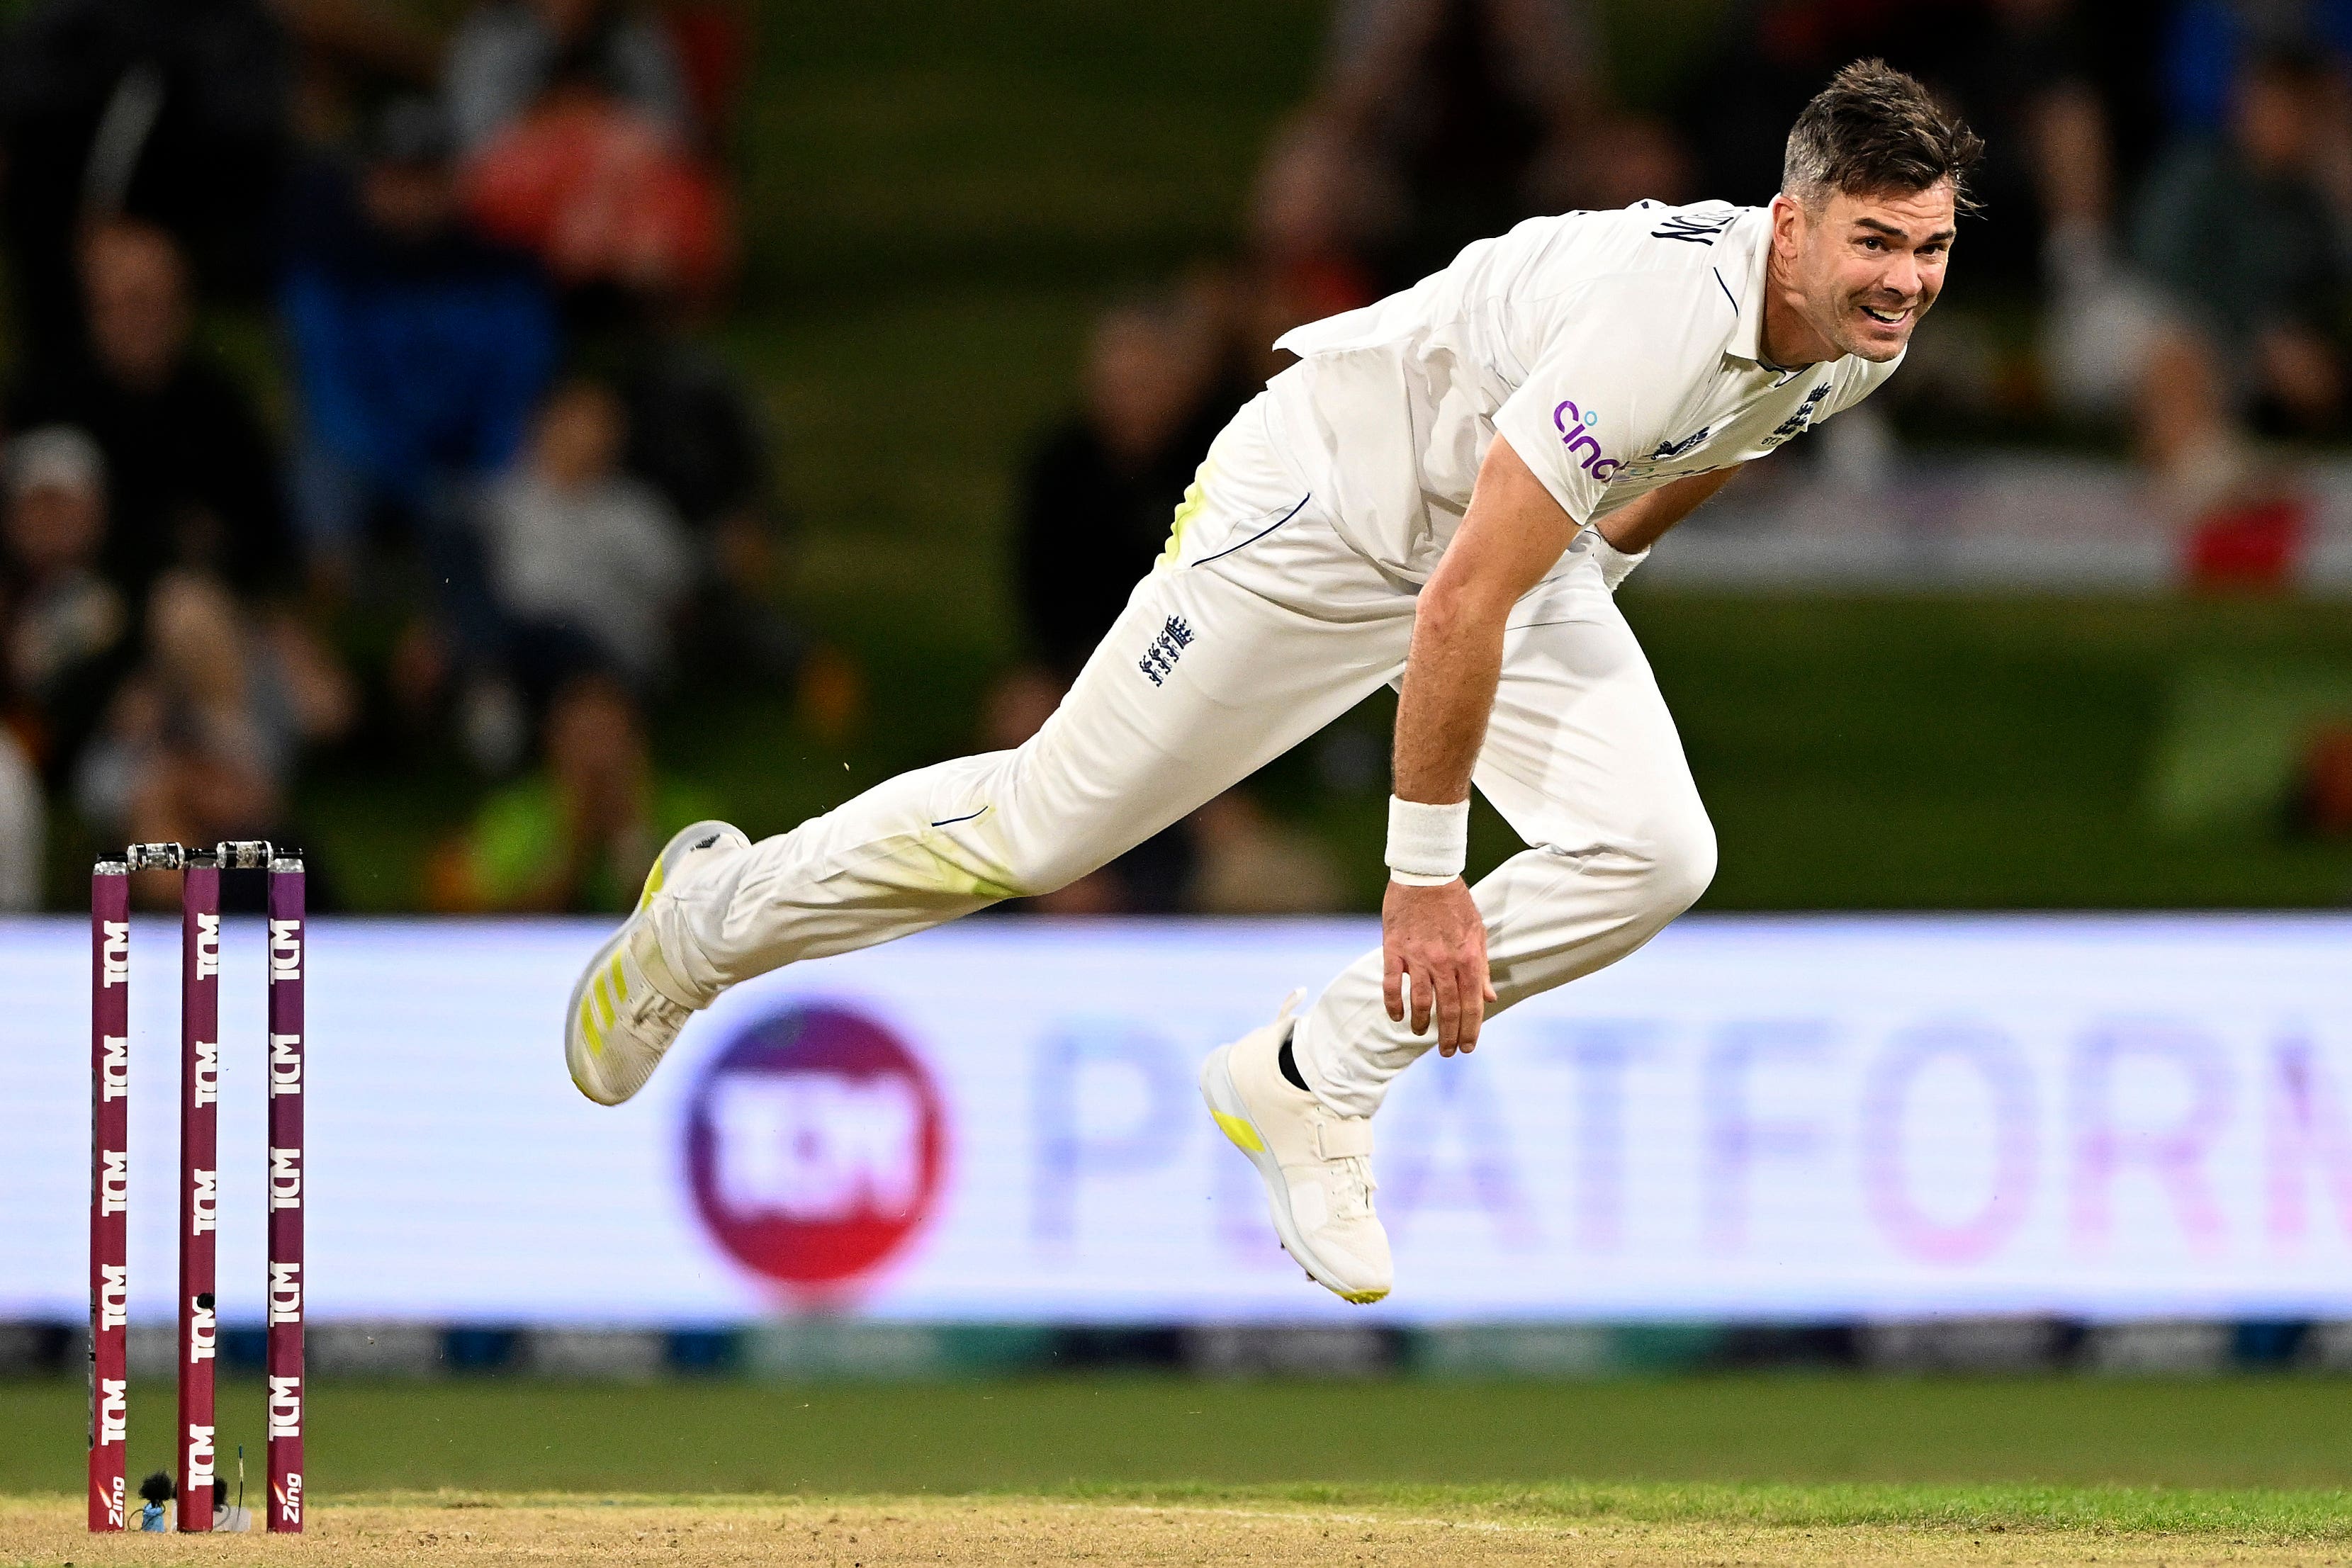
x=67, y=625
x=696, y=435
x=612, y=199
x=1251, y=864
x=420, y=350
x=715, y=48
x=2240, y=236
x=508, y=52
x=24, y=826
x=1445, y=122
x=1100, y=491
x=1096, y=503
x=2229, y=316
x=2321, y=806
x=173, y=110
x=199, y=744
x=588, y=564
x=578, y=834
x=193, y=480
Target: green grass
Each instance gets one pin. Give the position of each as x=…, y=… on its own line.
x=1810, y=1442
x=2250, y=1512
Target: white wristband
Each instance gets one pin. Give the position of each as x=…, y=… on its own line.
x=1428, y=845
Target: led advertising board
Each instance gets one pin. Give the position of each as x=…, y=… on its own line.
x=1750, y=1119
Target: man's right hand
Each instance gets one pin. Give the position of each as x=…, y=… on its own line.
x=1435, y=938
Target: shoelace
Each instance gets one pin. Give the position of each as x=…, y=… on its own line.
x=646, y=1005
x=1353, y=1178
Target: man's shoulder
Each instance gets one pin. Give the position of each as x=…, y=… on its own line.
x=1668, y=246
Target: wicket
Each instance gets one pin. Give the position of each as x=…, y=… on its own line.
x=199, y=1206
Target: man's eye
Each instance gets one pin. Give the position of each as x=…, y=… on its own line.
x=1874, y=245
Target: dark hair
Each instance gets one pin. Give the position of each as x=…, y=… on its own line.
x=1873, y=130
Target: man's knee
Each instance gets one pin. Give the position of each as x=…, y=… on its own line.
x=1678, y=859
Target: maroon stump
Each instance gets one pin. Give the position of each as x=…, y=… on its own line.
x=199, y=1180
x=283, y=1349
x=110, y=1190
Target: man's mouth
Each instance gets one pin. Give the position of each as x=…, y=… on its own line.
x=1887, y=317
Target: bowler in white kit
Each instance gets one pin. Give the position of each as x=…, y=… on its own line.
x=1442, y=494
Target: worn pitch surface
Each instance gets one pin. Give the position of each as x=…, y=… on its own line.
x=868, y=1533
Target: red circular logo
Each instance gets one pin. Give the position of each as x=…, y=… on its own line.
x=815, y=1144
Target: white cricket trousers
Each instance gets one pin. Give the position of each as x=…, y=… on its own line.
x=1264, y=626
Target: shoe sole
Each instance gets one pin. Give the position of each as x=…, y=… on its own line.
x=1233, y=1119
x=578, y=1055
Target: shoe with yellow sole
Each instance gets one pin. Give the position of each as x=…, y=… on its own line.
x=619, y=1024
x=1317, y=1164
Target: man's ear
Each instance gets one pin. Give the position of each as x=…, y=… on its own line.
x=1788, y=223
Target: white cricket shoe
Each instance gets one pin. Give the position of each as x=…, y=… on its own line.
x=1317, y=1164
x=618, y=1026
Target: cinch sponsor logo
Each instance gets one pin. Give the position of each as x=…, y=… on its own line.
x=285, y=1064
x=814, y=1147
x=285, y=950
x=117, y=953
x=1575, y=427
x=285, y=1292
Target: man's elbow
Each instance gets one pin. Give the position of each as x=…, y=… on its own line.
x=1462, y=603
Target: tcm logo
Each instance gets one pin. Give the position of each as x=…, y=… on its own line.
x=115, y=1295
x=203, y=1202
x=113, y=1409
x=207, y=946
x=814, y=1147
x=114, y=1182
x=285, y=951
x=1575, y=428
x=285, y=1064
x=200, y=1456
x=207, y=1076
x=285, y=1406
x=204, y=1334
x=285, y=1178
x=114, y=1068
x=115, y=952
x=285, y=1293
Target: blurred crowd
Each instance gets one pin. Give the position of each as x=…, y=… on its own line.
x=452, y=467
x=2162, y=263
x=478, y=478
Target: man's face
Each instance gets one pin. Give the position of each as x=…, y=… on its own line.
x=1866, y=268
x=137, y=294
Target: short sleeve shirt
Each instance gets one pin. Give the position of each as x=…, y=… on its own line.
x=1616, y=351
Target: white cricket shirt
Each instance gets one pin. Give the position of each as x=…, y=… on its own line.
x=1618, y=351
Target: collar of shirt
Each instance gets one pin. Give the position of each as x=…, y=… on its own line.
x=1742, y=256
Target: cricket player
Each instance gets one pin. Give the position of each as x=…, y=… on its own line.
x=1443, y=494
